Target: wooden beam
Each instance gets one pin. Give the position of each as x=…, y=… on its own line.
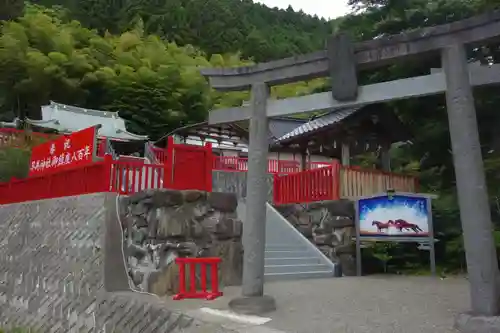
x=426, y=85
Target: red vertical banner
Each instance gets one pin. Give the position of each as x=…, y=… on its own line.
x=67, y=151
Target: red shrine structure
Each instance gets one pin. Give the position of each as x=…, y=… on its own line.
x=310, y=159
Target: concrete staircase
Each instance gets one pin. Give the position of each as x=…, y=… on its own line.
x=289, y=255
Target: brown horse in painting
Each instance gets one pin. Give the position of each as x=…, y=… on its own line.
x=401, y=224
x=381, y=225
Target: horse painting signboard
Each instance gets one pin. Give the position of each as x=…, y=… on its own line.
x=393, y=216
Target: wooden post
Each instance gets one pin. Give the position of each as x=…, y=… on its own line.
x=108, y=180
x=168, y=177
x=303, y=161
x=385, y=157
x=346, y=154
x=336, y=179
x=209, y=164
x=276, y=193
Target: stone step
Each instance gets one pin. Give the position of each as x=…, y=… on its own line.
x=268, y=277
x=284, y=254
x=300, y=268
x=286, y=247
x=292, y=261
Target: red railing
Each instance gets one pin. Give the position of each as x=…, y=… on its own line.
x=132, y=176
x=160, y=153
x=193, y=292
x=357, y=182
x=307, y=186
x=230, y=163
x=317, y=165
x=190, y=168
x=77, y=181
x=335, y=181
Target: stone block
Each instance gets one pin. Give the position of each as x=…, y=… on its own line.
x=231, y=267
x=226, y=228
x=348, y=264
x=194, y=195
x=199, y=209
x=173, y=223
x=166, y=197
x=342, y=63
x=165, y=281
x=139, y=209
x=223, y=202
x=345, y=249
x=137, y=197
x=325, y=239
x=197, y=230
x=343, y=207
x=152, y=220
x=255, y=306
x=140, y=221
x=305, y=230
x=287, y=209
x=468, y=323
x=336, y=222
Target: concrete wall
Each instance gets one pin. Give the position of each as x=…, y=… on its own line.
x=236, y=182
x=62, y=269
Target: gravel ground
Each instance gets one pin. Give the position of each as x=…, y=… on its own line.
x=375, y=304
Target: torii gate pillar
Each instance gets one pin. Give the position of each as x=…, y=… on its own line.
x=475, y=212
x=253, y=301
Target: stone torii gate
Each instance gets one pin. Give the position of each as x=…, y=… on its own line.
x=342, y=61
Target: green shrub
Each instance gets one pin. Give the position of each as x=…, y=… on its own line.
x=14, y=162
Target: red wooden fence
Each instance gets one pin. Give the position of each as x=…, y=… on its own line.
x=79, y=180
x=193, y=292
x=160, y=153
x=189, y=168
x=307, y=186
x=233, y=163
x=132, y=176
x=336, y=181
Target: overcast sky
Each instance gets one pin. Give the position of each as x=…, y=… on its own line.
x=323, y=8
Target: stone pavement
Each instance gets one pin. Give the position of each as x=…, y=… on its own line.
x=375, y=304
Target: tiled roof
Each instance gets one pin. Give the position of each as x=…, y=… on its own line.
x=67, y=119
x=328, y=119
x=281, y=126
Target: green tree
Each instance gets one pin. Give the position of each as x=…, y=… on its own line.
x=11, y=9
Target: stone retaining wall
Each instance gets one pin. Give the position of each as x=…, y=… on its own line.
x=330, y=226
x=161, y=225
